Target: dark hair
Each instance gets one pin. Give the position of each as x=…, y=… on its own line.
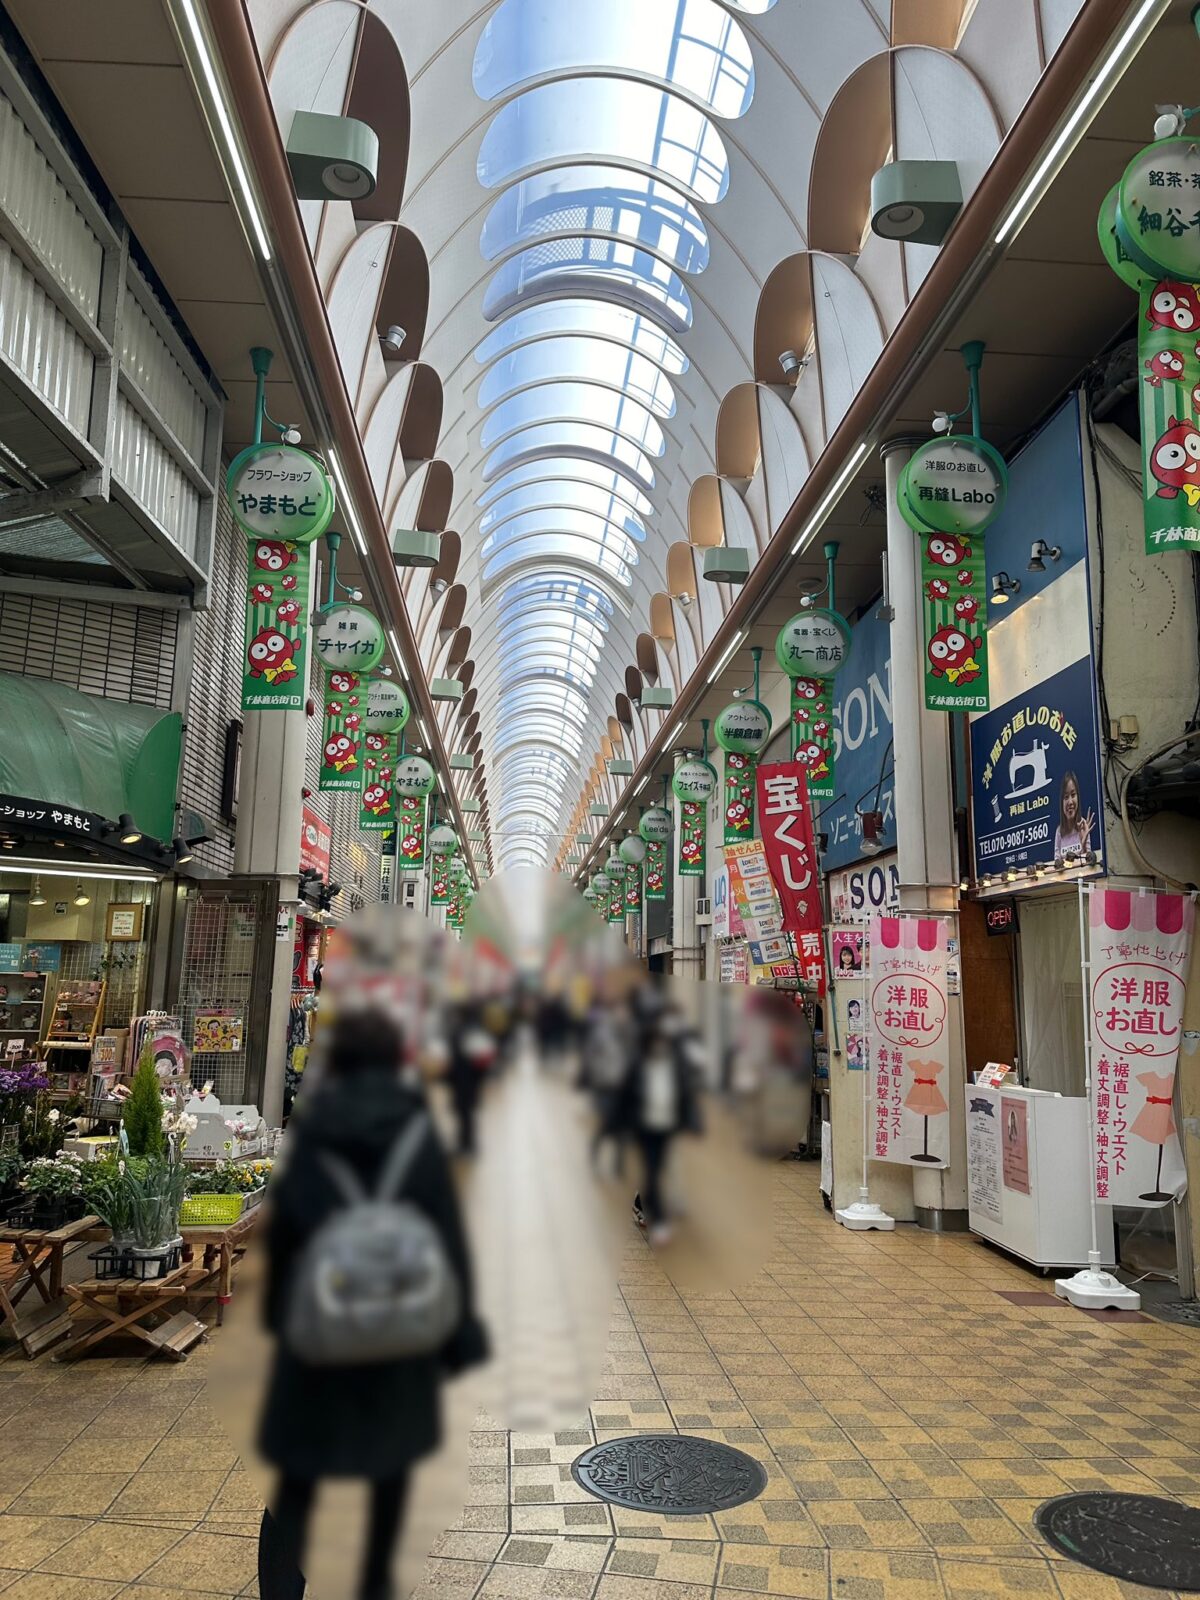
x=363, y=1039
x=1065, y=825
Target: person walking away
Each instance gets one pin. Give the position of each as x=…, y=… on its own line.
x=354, y=1386
x=659, y=1100
x=605, y=1064
x=472, y=1054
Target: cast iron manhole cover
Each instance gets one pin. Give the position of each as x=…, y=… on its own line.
x=669, y=1473
x=1137, y=1537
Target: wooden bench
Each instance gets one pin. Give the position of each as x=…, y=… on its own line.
x=40, y=1256
x=150, y=1312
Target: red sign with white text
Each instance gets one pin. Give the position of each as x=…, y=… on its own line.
x=316, y=842
x=785, y=818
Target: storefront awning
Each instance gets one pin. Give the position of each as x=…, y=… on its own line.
x=77, y=751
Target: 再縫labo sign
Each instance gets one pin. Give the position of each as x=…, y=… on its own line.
x=281, y=499
x=1139, y=947
x=694, y=783
x=341, y=732
x=956, y=483
x=812, y=648
x=910, y=1041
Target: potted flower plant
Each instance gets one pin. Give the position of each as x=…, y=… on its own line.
x=55, y=1184
x=139, y=1198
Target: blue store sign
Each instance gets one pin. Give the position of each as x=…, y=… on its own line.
x=862, y=715
x=1035, y=774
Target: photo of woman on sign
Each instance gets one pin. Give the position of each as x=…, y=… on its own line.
x=1074, y=829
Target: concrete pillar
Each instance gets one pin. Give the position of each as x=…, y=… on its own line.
x=925, y=841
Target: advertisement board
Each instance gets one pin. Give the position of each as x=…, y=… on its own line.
x=862, y=721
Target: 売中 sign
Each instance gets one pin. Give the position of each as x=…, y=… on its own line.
x=785, y=818
x=277, y=492
x=349, y=638
x=1035, y=773
x=910, y=1044
x=1139, y=946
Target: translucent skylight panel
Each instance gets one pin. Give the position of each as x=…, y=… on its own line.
x=582, y=438
x=612, y=119
x=694, y=44
x=561, y=515
x=633, y=206
x=587, y=264
x=553, y=471
x=574, y=402
x=567, y=587
x=591, y=529
x=600, y=318
x=595, y=360
x=552, y=545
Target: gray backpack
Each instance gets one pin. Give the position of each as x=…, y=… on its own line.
x=373, y=1283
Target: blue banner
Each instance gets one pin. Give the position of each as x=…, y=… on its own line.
x=1035, y=776
x=862, y=716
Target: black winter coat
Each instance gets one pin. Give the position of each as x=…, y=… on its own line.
x=375, y=1421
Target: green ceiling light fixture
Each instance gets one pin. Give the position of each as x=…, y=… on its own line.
x=449, y=690
x=657, y=698
x=723, y=564
x=332, y=158
x=915, y=201
x=618, y=767
x=411, y=548
x=462, y=761
x=597, y=809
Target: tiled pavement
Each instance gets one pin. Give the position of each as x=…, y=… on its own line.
x=910, y=1418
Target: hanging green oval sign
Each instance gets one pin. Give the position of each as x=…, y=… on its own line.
x=415, y=777
x=814, y=644
x=956, y=483
x=601, y=882
x=694, y=780
x=387, y=709
x=443, y=841
x=349, y=638
x=1156, y=211
x=743, y=727
x=632, y=850
x=1115, y=253
x=655, y=826
x=614, y=866
x=278, y=492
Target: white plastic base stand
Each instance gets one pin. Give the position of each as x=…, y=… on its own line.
x=864, y=1214
x=1094, y=1289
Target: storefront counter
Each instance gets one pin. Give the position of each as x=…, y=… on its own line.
x=1027, y=1175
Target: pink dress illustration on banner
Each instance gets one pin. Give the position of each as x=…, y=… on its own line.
x=925, y=1099
x=1155, y=1122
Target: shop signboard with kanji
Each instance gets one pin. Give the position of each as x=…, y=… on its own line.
x=1035, y=773
x=785, y=817
x=1139, y=947
x=909, y=1040
x=694, y=783
x=812, y=648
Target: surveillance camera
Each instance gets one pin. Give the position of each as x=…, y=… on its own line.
x=941, y=423
x=356, y=595
x=291, y=434
x=1170, y=122
x=384, y=672
x=683, y=600
x=394, y=337
x=807, y=600
x=439, y=586
x=791, y=364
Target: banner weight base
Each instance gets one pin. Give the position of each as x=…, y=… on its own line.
x=864, y=1214
x=1094, y=1289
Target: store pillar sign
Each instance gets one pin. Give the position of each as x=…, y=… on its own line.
x=415, y=777
x=956, y=484
x=739, y=796
x=694, y=784
x=1158, y=210
x=655, y=827
x=814, y=644
x=785, y=817
x=910, y=1116
x=1035, y=775
x=410, y=832
x=743, y=726
x=341, y=732
x=279, y=492
x=1139, y=946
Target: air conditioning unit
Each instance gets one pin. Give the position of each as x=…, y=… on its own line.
x=408, y=893
x=703, y=912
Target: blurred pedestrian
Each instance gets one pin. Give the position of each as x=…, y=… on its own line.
x=605, y=1061
x=472, y=1055
x=659, y=1099
x=363, y=1160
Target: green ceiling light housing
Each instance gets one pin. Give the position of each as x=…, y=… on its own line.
x=597, y=810
x=584, y=840
x=915, y=201
x=450, y=689
x=461, y=761
x=332, y=158
x=469, y=807
x=725, y=565
x=413, y=549
x=657, y=699
x=477, y=836
x=619, y=768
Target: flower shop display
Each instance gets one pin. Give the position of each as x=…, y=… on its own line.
x=53, y=1190
x=220, y=1194
x=139, y=1199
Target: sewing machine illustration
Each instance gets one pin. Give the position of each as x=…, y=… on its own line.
x=1034, y=762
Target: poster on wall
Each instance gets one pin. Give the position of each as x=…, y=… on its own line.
x=1035, y=773
x=785, y=817
x=849, y=951
x=217, y=1032
x=909, y=1039
x=985, y=1195
x=1014, y=1143
x=1139, y=946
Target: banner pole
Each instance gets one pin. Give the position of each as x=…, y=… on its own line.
x=864, y=1213
x=1092, y=1288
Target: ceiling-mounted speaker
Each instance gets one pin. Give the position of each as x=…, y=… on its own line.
x=597, y=810
x=725, y=565
x=657, y=698
x=446, y=689
x=332, y=158
x=413, y=549
x=620, y=768
x=915, y=201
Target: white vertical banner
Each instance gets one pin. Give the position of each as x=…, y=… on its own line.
x=909, y=1042
x=1139, y=944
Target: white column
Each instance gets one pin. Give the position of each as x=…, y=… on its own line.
x=925, y=840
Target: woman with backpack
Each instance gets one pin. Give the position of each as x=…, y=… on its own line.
x=368, y=1295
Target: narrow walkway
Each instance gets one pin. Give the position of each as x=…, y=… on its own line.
x=910, y=1413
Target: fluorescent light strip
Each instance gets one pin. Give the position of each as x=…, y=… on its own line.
x=641, y=786
x=812, y=526
x=45, y=869
x=726, y=658
x=1119, y=57
x=347, y=503
x=673, y=735
x=234, y=154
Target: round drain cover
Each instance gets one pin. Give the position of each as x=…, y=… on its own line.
x=669, y=1473
x=1137, y=1537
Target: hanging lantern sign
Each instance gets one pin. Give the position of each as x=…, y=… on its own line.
x=812, y=734
x=694, y=780
x=632, y=850
x=349, y=637
x=956, y=483
x=443, y=841
x=341, y=732
x=589, y=894
x=387, y=708
x=410, y=832
x=655, y=827
x=439, y=879
x=814, y=644
x=954, y=598
x=415, y=777
x=1156, y=211
x=277, y=492
x=1115, y=253
x=744, y=726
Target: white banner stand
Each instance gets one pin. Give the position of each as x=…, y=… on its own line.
x=1092, y=1288
x=863, y=1213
